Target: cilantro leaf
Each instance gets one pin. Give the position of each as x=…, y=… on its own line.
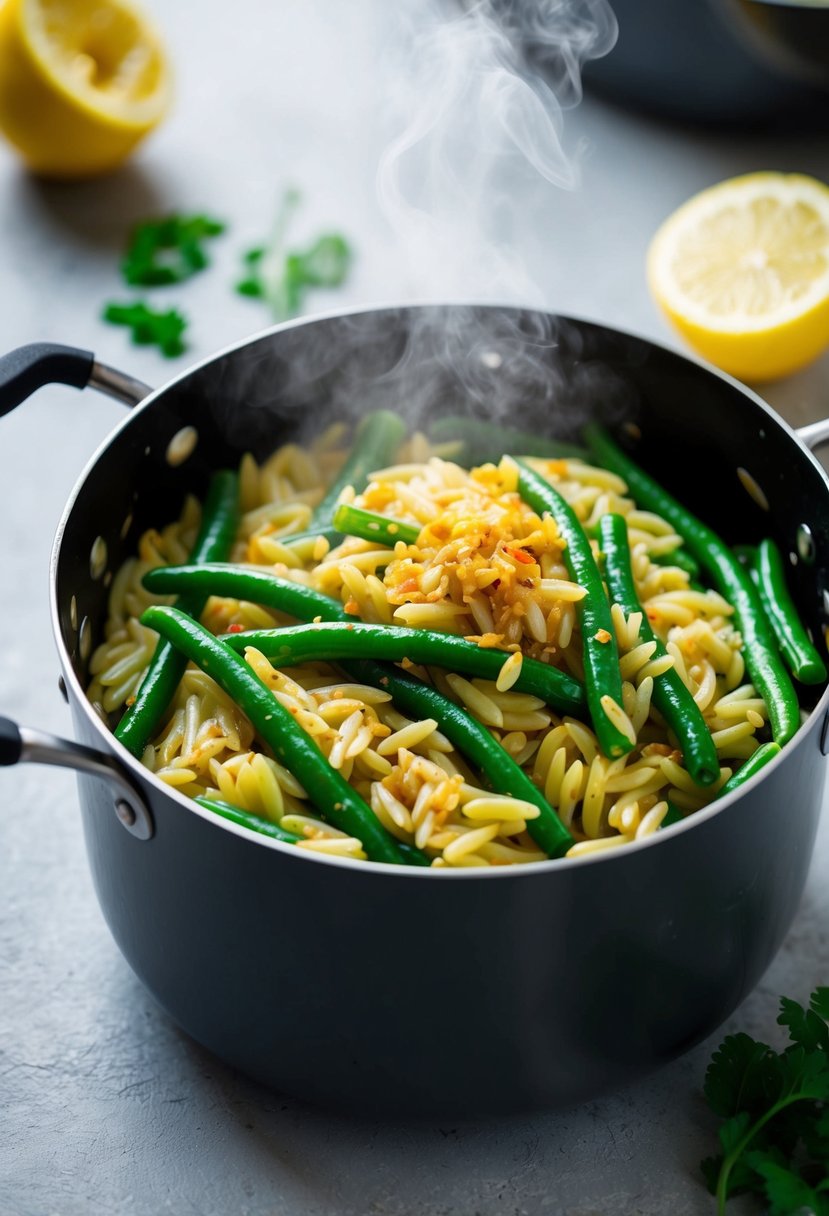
x=815, y=1134
x=168, y=250
x=326, y=263
x=283, y=276
x=786, y=1190
x=819, y=1002
x=806, y=1027
x=150, y=328
x=250, y=287
x=775, y=1107
x=711, y=1167
x=742, y=1075
x=805, y=1073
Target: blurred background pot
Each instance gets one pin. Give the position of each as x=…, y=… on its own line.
x=717, y=62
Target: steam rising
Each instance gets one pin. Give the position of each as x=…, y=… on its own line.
x=475, y=95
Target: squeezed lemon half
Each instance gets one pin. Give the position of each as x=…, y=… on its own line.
x=81, y=83
x=742, y=271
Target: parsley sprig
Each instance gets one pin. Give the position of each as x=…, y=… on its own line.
x=282, y=277
x=775, y=1106
x=150, y=327
x=168, y=250
x=162, y=252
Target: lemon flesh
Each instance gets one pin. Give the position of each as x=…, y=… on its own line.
x=81, y=83
x=742, y=271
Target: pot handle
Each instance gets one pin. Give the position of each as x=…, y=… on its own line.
x=29, y=368
x=19, y=744
x=814, y=434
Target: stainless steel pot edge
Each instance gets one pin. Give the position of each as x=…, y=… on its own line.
x=124, y=387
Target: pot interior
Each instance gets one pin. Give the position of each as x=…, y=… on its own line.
x=708, y=441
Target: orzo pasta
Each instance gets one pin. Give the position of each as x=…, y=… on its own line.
x=485, y=567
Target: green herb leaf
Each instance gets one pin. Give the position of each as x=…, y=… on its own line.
x=249, y=287
x=168, y=250
x=805, y=1026
x=805, y=1073
x=819, y=1002
x=283, y=276
x=742, y=1076
x=733, y=1130
x=785, y=1189
x=710, y=1167
x=150, y=328
x=775, y=1138
x=326, y=263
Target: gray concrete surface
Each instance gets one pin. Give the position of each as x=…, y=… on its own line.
x=105, y=1106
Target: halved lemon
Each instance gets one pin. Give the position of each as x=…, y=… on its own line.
x=742, y=271
x=81, y=83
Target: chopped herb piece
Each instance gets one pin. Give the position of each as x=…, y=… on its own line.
x=168, y=250
x=283, y=276
x=150, y=328
x=775, y=1137
x=250, y=287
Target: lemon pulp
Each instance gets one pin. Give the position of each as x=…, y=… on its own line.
x=742, y=271
x=81, y=82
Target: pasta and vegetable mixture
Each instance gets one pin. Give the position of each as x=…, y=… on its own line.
x=424, y=652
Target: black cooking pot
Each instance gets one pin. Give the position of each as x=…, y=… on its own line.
x=383, y=989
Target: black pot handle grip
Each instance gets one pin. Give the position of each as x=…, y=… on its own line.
x=11, y=742
x=29, y=368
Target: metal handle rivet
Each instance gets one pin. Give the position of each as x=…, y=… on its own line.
x=125, y=813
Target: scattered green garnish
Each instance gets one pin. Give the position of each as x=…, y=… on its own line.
x=281, y=276
x=775, y=1106
x=168, y=250
x=149, y=327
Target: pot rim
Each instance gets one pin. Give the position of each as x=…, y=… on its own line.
x=140, y=774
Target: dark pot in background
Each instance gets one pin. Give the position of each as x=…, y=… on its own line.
x=702, y=61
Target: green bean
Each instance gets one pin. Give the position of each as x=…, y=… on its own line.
x=333, y=797
x=266, y=827
x=670, y=696
x=418, y=700
x=344, y=640
x=411, y=696
x=602, y=677
x=376, y=441
x=246, y=819
x=166, y=667
x=486, y=442
x=768, y=675
x=353, y=521
x=672, y=815
x=244, y=583
x=295, y=539
x=679, y=557
x=764, y=753
x=795, y=644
